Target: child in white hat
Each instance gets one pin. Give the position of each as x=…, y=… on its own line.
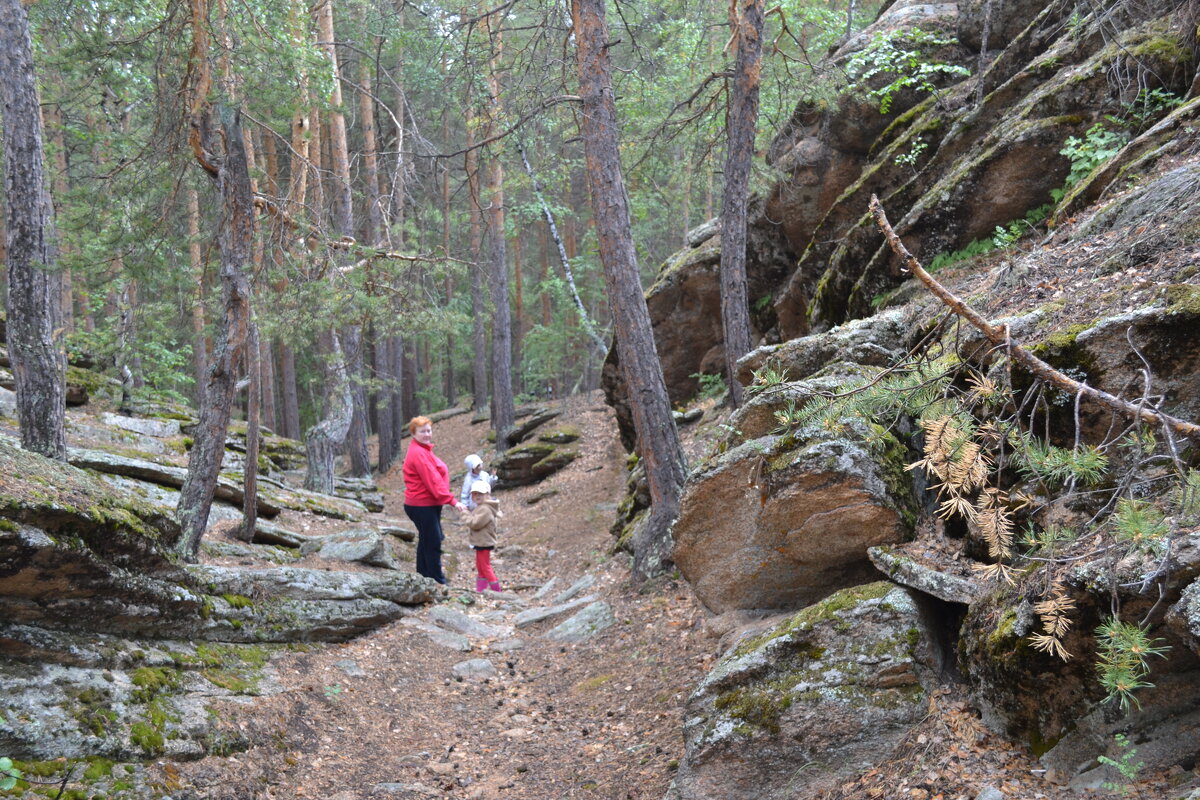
x=475, y=472
x=481, y=521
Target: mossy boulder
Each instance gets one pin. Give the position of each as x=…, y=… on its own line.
x=781, y=521
x=530, y=463
x=823, y=693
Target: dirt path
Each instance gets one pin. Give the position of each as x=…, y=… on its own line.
x=385, y=715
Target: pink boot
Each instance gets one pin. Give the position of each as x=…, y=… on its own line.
x=494, y=586
x=481, y=584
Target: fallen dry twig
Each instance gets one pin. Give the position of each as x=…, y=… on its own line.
x=1001, y=337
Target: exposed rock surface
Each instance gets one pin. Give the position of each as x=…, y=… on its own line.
x=530, y=463
x=780, y=522
x=789, y=712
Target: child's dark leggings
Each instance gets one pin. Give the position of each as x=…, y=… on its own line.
x=428, y=520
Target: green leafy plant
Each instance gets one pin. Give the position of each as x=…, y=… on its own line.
x=1096, y=147
x=900, y=58
x=1124, y=652
x=711, y=386
x=9, y=774
x=1148, y=106
x=1125, y=765
x=333, y=693
x=909, y=159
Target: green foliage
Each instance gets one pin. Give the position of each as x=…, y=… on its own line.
x=768, y=376
x=1141, y=525
x=1187, y=498
x=333, y=692
x=898, y=59
x=1125, y=765
x=909, y=159
x=711, y=386
x=1124, y=652
x=977, y=247
x=9, y=774
x=1146, y=108
x=1096, y=148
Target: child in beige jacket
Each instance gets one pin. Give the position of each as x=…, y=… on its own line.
x=481, y=521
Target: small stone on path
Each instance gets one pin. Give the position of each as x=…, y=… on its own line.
x=476, y=669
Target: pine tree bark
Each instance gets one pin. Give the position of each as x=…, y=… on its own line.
x=287, y=391
x=339, y=424
x=739, y=153
x=235, y=238
x=503, y=414
x=199, y=335
x=34, y=280
x=658, y=441
x=479, y=381
x=388, y=435
x=250, y=483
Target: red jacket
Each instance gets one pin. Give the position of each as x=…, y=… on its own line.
x=426, y=478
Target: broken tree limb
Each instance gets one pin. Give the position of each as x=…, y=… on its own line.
x=1001, y=337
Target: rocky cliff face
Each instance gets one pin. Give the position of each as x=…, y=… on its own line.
x=950, y=163
x=1105, y=292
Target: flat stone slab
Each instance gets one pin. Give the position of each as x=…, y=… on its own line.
x=439, y=636
x=162, y=428
x=534, y=615
x=463, y=623
x=585, y=582
x=909, y=572
x=164, y=475
x=584, y=625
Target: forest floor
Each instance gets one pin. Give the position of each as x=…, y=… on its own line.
x=383, y=715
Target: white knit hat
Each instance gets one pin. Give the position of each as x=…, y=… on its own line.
x=472, y=461
x=483, y=487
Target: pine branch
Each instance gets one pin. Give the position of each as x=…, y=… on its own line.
x=1001, y=337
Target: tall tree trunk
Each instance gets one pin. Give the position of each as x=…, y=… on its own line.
x=287, y=391
x=450, y=388
x=503, y=416
x=658, y=440
x=479, y=382
x=235, y=240
x=266, y=374
x=743, y=121
x=250, y=484
x=323, y=440
x=199, y=335
x=34, y=280
x=389, y=436
x=518, y=327
x=53, y=115
x=331, y=432
x=397, y=406
x=373, y=225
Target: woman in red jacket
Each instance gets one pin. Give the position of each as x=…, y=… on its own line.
x=426, y=490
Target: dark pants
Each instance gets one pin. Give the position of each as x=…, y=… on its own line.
x=428, y=520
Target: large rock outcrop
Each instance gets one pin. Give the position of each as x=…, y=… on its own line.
x=949, y=165
x=789, y=712
x=115, y=648
x=782, y=521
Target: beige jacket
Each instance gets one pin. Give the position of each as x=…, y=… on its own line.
x=482, y=522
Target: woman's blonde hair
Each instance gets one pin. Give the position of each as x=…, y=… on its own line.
x=417, y=422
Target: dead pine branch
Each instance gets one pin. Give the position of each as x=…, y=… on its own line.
x=1001, y=337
